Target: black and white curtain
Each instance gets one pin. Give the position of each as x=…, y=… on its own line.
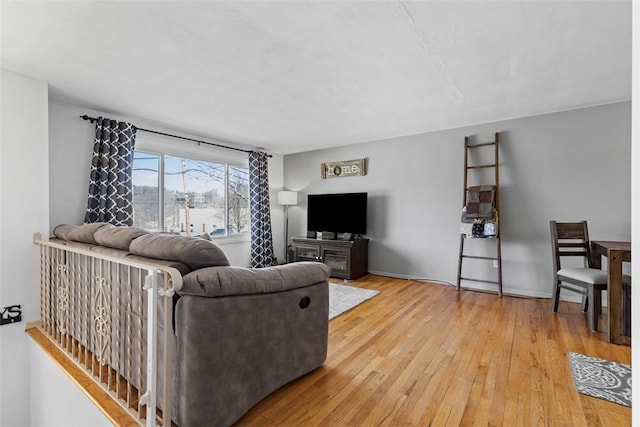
x=261, y=238
x=110, y=181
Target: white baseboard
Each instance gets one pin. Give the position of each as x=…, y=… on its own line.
x=571, y=297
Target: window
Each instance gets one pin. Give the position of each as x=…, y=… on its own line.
x=198, y=196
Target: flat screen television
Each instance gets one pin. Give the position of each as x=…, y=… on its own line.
x=338, y=213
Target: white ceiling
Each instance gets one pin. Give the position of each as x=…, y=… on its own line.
x=294, y=76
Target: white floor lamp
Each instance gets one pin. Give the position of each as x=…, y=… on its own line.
x=286, y=199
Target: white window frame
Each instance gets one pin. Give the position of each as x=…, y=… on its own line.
x=165, y=146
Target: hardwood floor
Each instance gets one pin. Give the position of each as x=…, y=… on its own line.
x=422, y=354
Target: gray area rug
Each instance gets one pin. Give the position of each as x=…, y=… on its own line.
x=601, y=378
x=343, y=298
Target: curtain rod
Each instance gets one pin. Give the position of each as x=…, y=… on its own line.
x=93, y=119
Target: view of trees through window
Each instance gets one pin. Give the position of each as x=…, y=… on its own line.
x=198, y=197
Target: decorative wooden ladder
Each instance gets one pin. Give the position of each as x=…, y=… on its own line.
x=498, y=257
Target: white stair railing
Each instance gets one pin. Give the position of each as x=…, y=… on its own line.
x=113, y=317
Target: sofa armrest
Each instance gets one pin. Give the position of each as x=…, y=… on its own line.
x=228, y=281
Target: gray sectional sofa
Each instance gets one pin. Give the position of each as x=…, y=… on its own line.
x=240, y=333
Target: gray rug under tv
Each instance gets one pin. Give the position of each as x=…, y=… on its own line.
x=343, y=298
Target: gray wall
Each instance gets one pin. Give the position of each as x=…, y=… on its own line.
x=23, y=211
x=569, y=165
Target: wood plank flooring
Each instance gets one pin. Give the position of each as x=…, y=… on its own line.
x=421, y=354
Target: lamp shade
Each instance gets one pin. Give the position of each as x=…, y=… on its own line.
x=287, y=198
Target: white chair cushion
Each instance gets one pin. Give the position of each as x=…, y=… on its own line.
x=586, y=275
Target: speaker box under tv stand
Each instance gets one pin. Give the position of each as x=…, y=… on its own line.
x=348, y=259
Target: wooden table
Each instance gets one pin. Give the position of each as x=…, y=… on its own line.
x=616, y=253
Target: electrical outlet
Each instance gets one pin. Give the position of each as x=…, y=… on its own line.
x=495, y=263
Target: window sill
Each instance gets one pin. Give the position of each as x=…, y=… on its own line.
x=224, y=240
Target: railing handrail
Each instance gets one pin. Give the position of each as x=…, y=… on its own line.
x=173, y=273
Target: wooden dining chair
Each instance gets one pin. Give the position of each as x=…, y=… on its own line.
x=571, y=239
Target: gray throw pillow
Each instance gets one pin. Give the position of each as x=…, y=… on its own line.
x=118, y=237
x=62, y=231
x=192, y=251
x=79, y=233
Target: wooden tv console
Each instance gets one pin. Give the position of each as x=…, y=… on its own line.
x=348, y=259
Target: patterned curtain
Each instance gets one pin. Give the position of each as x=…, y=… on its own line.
x=261, y=238
x=110, y=182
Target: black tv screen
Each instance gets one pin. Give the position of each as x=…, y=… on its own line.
x=339, y=213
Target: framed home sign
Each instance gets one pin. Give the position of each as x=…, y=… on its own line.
x=344, y=168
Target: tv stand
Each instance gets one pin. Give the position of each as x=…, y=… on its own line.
x=348, y=259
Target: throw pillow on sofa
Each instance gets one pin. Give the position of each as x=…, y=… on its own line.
x=192, y=251
x=79, y=233
x=117, y=237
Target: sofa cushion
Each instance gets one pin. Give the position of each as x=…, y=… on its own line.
x=117, y=237
x=79, y=233
x=193, y=251
x=217, y=281
x=62, y=231
x=181, y=267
